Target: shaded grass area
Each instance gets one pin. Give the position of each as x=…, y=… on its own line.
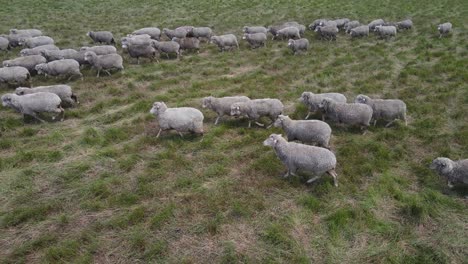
x=99, y=187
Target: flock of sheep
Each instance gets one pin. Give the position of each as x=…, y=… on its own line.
x=41, y=56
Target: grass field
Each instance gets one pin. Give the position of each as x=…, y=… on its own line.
x=100, y=188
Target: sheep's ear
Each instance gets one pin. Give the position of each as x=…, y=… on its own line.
x=275, y=141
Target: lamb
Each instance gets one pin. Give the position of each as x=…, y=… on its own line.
x=14, y=74
x=222, y=105
x=386, y=31
x=104, y=62
x=388, y=110
x=298, y=45
x=100, y=50
x=188, y=44
x=405, y=24
x=316, y=23
x=4, y=43
x=33, y=42
x=28, y=62
x=254, y=29
x=63, y=91
x=444, y=29
x=455, y=172
x=29, y=32
x=140, y=51
x=181, y=33
x=67, y=67
x=153, y=32
x=306, y=131
x=182, y=119
x=32, y=104
x=53, y=55
x=361, y=31
x=374, y=23
x=255, y=40
x=350, y=114
x=312, y=101
x=350, y=25
x=303, y=157
x=288, y=32
x=37, y=50
x=255, y=109
x=202, y=32
x=105, y=37
x=327, y=32
x=225, y=41
x=167, y=47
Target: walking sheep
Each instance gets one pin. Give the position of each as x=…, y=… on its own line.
x=225, y=41
x=140, y=51
x=153, y=32
x=287, y=33
x=386, y=31
x=188, y=44
x=444, y=29
x=53, y=55
x=29, y=32
x=37, y=50
x=104, y=62
x=374, y=23
x=361, y=31
x=312, y=101
x=32, y=104
x=388, y=110
x=327, y=32
x=14, y=74
x=349, y=114
x=28, y=62
x=181, y=119
x=350, y=25
x=32, y=42
x=299, y=157
x=202, y=32
x=167, y=47
x=405, y=24
x=254, y=29
x=255, y=109
x=306, y=131
x=100, y=50
x=455, y=172
x=255, y=40
x=4, y=43
x=105, y=37
x=65, y=67
x=299, y=45
x=63, y=91
x=222, y=105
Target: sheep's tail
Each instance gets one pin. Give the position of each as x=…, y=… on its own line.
x=74, y=98
x=112, y=41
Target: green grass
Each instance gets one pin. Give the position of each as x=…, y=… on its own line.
x=99, y=187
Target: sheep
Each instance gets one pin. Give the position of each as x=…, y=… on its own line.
x=14, y=39
x=327, y=32
x=60, y=67
x=37, y=50
x=254, y=29
x=32, y=104
x=222, y=105
x=303, y=157
x=32, y=42
x=389, y=23
x=288, y=32
x=405, y=24
x=274, y=29
x=53, y=55
x=143, y=39
x=388, y=110
x=444, y=29
x=298, y=45
x=63, y=91
x=350, y=25
x=100, y=50
x=328, y=23
x=374, y=23
x=4, y=43
x=312, y=101
x=255, y=40
x=14, y=74
x=316, y=23
x=153, y=32
x=104, y=62
x=182, y=119
x=140, y=51
x=105, y=37
x=28, y=62
x=350, y=114
x=202, y=32
x=188, y=29
x=175, y=33
x=306, y=131
x=29, y=32
x=360, y=31
x=224, y=41
x=255, y=109
x=188, y=44
x=455, y=172
x=167, y=47
x=340, y=23
x=386, y=31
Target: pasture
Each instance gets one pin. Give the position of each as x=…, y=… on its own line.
x=100, y=188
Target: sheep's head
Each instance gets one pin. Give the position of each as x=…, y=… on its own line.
x=21, y=90
x=214, y=40
x=6, y=100
x=325, y=104
x=24, y=52
x=40, y=68
x=291, y=42
x=273, y=140
x=362, y=99
x=207, y=101
x=14, y=31
x=279, y=122
x=305, y=96
x=175, y=39
x=442, y=165
x=89, y=56
x=244, y=29
x=245, y=36
x=89, y=33
x=236, y=109
x=158, y=108
x=21, y=41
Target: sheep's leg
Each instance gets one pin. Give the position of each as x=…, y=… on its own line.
x=287, y=174
x=180, y=134
x=259, y=124
x=98, y=72
x=106, y=71
x=159, y=132
x=449, y=184
x=313, y=179
x=250, y=124
x=217, y=119
x=307, y=116
x=364, y=129
x=333, y=173
x=389, y=123
x=138, y=60
x=375, y=121
x=33, y=114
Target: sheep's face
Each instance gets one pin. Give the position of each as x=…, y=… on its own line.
x=214, y=40
x=88, y=34
x=279, y=121
x=124, y=46
x=6, y=100
x=89, y=56
x=20, y=91
x=236, y=109
x=291, y=42
x=158, y=108
x=325, y=104
x=207, y=102
x=245, y=36
x=23, y=52
x=361, y=99
x=442, y=165
x=21, y=41
x=40, y=68
x=272, y=140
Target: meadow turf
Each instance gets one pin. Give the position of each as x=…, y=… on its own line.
x=99, y=187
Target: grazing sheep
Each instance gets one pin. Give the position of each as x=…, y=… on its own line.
x=254, y=29
x=32, y=104
x=224, y=41
x=255, y=40
x=306, y=131
x=153, y=32
x=28, y=62
x=181, y=33
x=297, y=157
x=312, y=101
x=388, y=110
x=316, y=23
x=255, y=109
x=53, y=55
x=63, y=91
x=298, y=45
x=67, y=67
x=361, y=31
x=386, y=31
x=405, y=24
x=188, y=44
x=104, y=62
x=455, y=172
x=222, y=105
x=14, y=74
x=374, y=23
x=167, y=47
x=287, y=33
x=202, y=32
x=32, y=42
x=327, y=32
x=349, y=114
x=140, y=51
x=444, y=29
x=100, y=50
x=105, y=37
x=28, y=32
x=350, y=25
x=37, y=50
x=4, y=43
x=182, y=119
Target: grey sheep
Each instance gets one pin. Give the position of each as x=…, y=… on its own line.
x=349, y=114
x=188, y=44
x=188, y=29
x=444, y=29
x=312, y=101
x=63, y=91
x=274, y=29
x=105, y=37
x=222, y=105
x=37, y=50
x=182, y=119
x=32, y=42
x=287, y=33
x=255, y=109
x=100, y=50
x=32, y=104
x=306, y=131
x=298, y=45
x=140, y=51
x=455, y=172
x=28, y=32
x=340, y=23
x=153, y=32
x=327, y=32
x=167, y=47
x=255, y=40
x=361, y=31
x=254, y=29
x=104, y=62
x=374, y=23
x=316, y=23
x=388, y=110
x=14, y=39
x=389, y=23
x=14, y=74
x=350, y=25
x=52, y=55
x=143, y=39
x=202, y=32
x=28, y=62
x=4, y=43
x=386, y=31
x=303, y=157
x=405, y=24
x=328, y=23
x=66, y=67
x=225, y=41
x=174, y=33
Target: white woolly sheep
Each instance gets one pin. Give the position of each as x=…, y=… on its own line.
x=188, y=44
x=405, y=24
x=104, y=62
x=316, y=23
x=349, y=114
x=167, y=47
x=66, y=67
x=298, y=45
x=63, y=91
x=386, y=31
x=37, y=50
x=255, y=40
x=254, y=29
x=202, y=32
x=455, y=172
x=361, y=31
x=225, y=41
x=181, y=119
x=312, y=101
x=255, y=109
x=222, y=105
x=140, y=51
x=388, y=110
x=350, y=25
x=444, y=29
x=14, y=74
x=327, y=32
x=306, y=131
x=374, y=23
x=105, y=37
x=32, y=104
x=53, y=55
x=29, y=32
x=153, y=32
x=100, y=50
x=28, y=62
x=288, y=33
x=32, y=42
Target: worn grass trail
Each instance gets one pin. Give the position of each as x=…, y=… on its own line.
x=99, y=187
